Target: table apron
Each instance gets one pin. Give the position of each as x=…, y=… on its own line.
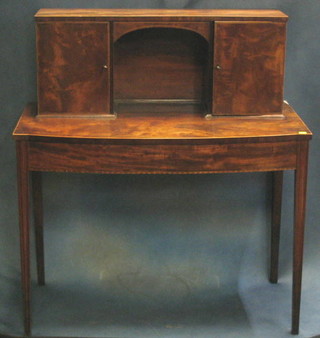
x=161, y=158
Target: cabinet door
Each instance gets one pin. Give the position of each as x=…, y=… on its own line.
x=248, y=68
x=73, y=68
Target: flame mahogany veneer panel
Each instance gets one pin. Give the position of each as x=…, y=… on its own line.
x=187, y=128
x=159, y=158
x=249, y=68
x=72, y=78
x=90, y=59
x=122, y=28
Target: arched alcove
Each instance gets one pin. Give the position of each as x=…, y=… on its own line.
x=161, y=69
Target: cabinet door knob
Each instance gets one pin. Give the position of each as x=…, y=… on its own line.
x=218, y=67
x=105, y=66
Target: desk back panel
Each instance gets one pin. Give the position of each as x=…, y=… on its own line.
x=160, y=64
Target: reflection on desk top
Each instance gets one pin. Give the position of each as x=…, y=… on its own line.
x=137, y=14
x=162, y=127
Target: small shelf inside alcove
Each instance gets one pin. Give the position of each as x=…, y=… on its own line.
x=161, y=70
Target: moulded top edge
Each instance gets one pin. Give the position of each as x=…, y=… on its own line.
x=266, y=14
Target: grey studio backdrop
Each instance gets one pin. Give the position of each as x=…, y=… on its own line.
x=162, y=255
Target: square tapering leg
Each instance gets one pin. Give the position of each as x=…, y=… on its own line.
x=23, y=197
x=277, y=182
x=299, y=222
x=38, y=223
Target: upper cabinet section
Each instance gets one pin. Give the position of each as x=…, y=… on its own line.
x=248, y=68
x=73, y=68
x=103, y=62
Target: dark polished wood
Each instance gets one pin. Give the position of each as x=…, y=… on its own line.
x=161, y=91
x=23, y=198
x=38, y=223
x=143, y=127
x=165, y=159
x=160, y=64
x=230, y=62
x=152, y=144
x=277, y=183
x=249, y=68
x=122, y=28
x=159, y=14
x=73, y=68
x=301, y=174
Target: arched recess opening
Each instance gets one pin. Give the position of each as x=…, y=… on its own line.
x=161, y=70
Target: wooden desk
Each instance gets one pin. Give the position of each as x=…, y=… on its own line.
x=158, y=144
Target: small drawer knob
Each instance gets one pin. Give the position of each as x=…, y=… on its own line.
x=218, y=67
x=105, y=66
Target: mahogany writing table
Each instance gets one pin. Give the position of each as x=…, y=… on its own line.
x=162, y=144
x=161, y=91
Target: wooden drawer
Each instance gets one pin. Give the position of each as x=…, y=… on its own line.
x=165, y=158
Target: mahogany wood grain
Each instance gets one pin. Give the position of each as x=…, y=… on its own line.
x=152, y=159
x=160, y=14
x=120, y=146
x=160, y=63
x=202, y=28
x=72, y=78
x=38, y=224
x=249, y=68
x=160, y=57
x=166, y=107
x=183, y=128
x=220, y=62
x=23, y=199
x=300, y=195
x=277, y=182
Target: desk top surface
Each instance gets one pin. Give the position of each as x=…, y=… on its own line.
x=156, y=127
x=188, y=14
